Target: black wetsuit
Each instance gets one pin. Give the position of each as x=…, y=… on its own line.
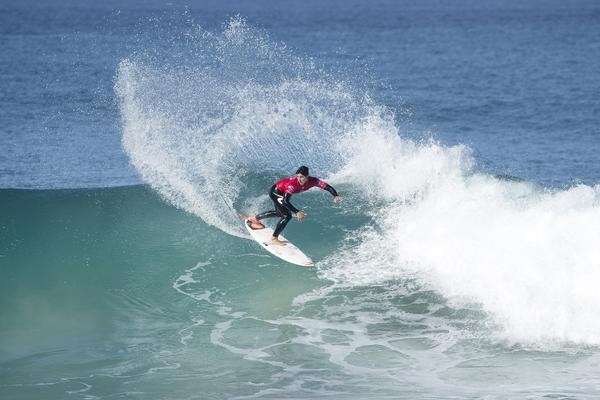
x=281, y=200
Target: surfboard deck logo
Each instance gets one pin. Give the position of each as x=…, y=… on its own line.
x=288, y=251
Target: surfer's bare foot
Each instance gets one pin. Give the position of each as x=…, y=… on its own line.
x=252, y=218
x=275, y=241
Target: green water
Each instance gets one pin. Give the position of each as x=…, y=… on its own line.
x=87, y=287
x=112, y=293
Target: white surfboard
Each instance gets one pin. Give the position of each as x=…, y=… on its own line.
x=288, y=252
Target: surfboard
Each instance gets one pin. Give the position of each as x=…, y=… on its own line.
x=288, y=252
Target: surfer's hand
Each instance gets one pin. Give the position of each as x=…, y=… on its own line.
x=300, y=215
x=337, y=199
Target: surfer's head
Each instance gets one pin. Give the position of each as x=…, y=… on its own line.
x=302, y=171
x=302, y=174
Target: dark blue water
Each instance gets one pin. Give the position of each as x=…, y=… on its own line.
x=515, y=82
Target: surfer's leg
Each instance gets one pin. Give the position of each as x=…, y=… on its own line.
x=266, y=214
x=281, y=224
x=273, y=213
x=284, y=212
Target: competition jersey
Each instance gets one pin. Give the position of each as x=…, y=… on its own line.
x=292, y=186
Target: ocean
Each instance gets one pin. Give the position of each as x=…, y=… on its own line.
x=462, y=263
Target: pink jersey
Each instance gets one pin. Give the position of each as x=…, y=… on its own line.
x=291, y=185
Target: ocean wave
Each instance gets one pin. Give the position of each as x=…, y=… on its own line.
x=212, y=132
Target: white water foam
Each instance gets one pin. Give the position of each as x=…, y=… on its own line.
x=528, y=255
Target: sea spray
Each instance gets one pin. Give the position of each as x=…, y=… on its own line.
x=236, y=104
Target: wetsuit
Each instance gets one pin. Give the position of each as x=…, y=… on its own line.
x=281, y=192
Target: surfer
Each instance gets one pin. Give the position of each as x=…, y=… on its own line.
x=280, y=194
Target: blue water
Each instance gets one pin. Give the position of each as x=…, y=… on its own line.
x=462, y=262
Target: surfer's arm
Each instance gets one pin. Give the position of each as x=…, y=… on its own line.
x=331, y=190
x=323, y=185
x=326, y=186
